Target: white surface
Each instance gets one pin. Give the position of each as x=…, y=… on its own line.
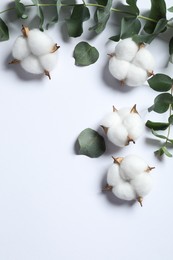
x=51, y=204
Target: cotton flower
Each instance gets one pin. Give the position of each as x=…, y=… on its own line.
x=39, y=42
x=145, y=60
x=118, y=68
x=32, y=65
x=134, y=183
x=123, y=126
x=126, y=49
x=35, y=51
x=131, y=63
x=136, y=76
x=20, y=48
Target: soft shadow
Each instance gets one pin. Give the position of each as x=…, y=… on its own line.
x=110, y=197
x=111, y=149
x=20, y=73
x=111, y=82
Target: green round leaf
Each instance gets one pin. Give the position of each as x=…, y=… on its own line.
x=91, y=143
x=75, y=22
x=170, y=120
x=160, y=82
x=129, y=27
x=162, y=102
x=157, y=125
x=85, y=54
x=171, y=46
x=4, y=32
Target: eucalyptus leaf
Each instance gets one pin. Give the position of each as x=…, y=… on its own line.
x=171, y=46
x=129, y=27
x=55, y=17
x=115, y=38
x=160, y=82
x=39, y=13
x=101, y=17
x=166, y=152
x=132, y=4
x=4, y=33
x=91, y=143
x=158, y=135
x=157, y=12
x=170, y=120
x=159, y=152
x=20, y=9
x=85, y=54
x=102, y=2
x=170, y=9
x=162, y=137
x=148, y=38
x=79, y=14
x=162, y=102
x=157, y=125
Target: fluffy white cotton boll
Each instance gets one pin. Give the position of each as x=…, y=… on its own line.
x=118, y=135
x=123, y=112
x=113, y=175
x=20, y=48
x=118, y=68
x=142, y=184
x=134, y=125
x=124, y=191
x=48, y=61
x=136, y=76
x=39, y=42
x=131, y=166
x=126, y=49
x=144, y=59
x=111, y=119
x=32, y=65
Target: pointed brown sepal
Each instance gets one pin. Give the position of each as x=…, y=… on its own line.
x=117, y=160
x=15, y=61
x=114, y=109
x=150, y=73
x=133, y=110
x=140, y=200
x=107, y=188
x=122, y=83
x=129, y=140
x=111, y=55
x=150, y=169
x=105, y=129
x=55, y=48
x=141, y=45
x=47, y=74
x=25, y=31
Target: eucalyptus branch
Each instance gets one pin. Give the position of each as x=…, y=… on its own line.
x=86, y=4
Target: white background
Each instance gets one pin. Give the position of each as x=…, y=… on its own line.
x=51, y=204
